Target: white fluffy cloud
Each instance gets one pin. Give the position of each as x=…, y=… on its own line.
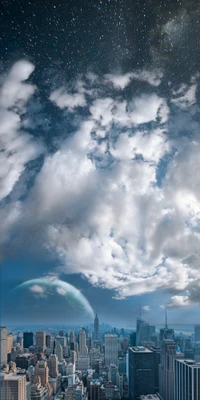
x=17, y=147
x=97, y=202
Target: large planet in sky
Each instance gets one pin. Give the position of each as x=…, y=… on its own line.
x=50, y=300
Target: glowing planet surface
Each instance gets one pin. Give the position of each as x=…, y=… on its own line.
x=52, y=300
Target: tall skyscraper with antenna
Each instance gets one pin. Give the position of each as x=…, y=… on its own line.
x=96, y=328
x=166, y=333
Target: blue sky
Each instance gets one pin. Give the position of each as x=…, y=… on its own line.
x=99, y=162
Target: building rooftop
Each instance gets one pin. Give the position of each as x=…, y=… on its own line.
x=149, y=397
x=140, y=349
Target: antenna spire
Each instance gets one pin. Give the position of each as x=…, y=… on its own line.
x=165, y=316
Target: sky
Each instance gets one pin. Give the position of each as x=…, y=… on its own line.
x=99, y=157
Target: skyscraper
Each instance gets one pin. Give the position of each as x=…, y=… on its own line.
x=12, y=387
x=9, y=342
x=53, y=365
x=166, y=369
x=186, y=380
x=41, y=341
x=142, y=331
x=141, y=372
x=3, y=346
x=28, y=339
x=96, y=328
x=42, y=371
x=197, y=333
x=58, y=350
x=111, y=349
x=83, y=350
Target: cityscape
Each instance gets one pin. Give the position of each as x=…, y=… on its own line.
x=99, y=362
x=99, y=200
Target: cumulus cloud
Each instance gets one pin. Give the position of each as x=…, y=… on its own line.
x=122, y=81
x=61, y=291
x=118, y=200
x=146, y=308
x=17, y=146
x=37, y=289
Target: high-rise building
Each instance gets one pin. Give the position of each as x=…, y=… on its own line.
x=142, y=331
x=53, y=365
x=61, y=332
x=42, y=371
x=111, y=349
x=156, y=351
x=62, y=340
x=166, y=369
x=141, y=372
x=9, y=342
x=96, y=328
x=83, y=363
x=41, y=341
x=58, y=350
x=28, y=339
x=25, y=360
x=3, y=346
x=12, y=387
x=133, y=339
x=186, y=380
x=83, y=350
x=39, y=392
x=197, y=333
x=112, y=373
x=48, y=340
x=71, y=337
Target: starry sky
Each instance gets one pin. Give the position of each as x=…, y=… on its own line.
x=100, y=155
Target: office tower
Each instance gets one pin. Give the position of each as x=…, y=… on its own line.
x=186, y=380
x=156, y=351
x=41, y=341
x=122, y=365
x=48, y=340
x=166, y=333
x=125, y=344
x=12, y=387
x=53, y=365
x=62, y=340
x=112, y=373
x=83, y=351
x=70, y=368
x=141, y=372
x=42, y=371
x=111, y=349
x=28, y=339
x=24, y=361
x=61, y=332
x=83, y=363
x=58, y=350
x=142, y=331
x=96, y=328
x=152, y=329
x=39, y=392
x=133, y=339
x=9, y=342
x=197, y=333
x=166, y=369
x=3, y=346
x=71, y=337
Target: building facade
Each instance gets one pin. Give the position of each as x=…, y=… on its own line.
x=141, y=372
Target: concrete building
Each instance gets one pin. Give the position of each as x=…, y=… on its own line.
x=9, y=342
x=3, y=346
x=142, y=332
x=83, y=350
x=39, y=392
x=96, y=328
x=28, y=339
x=197, y=333
x=23, y=361
x=41, y=341
x=62, y=340
x=83, y=363
x=112, y=374
x=53, y=365
x=70, y=369
x=186, y=380
x=58, y=350
x=166, y=369
x=42, y=371
x=141, y=372
x=111, y=349
x=12, y=387
x=48, y=340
